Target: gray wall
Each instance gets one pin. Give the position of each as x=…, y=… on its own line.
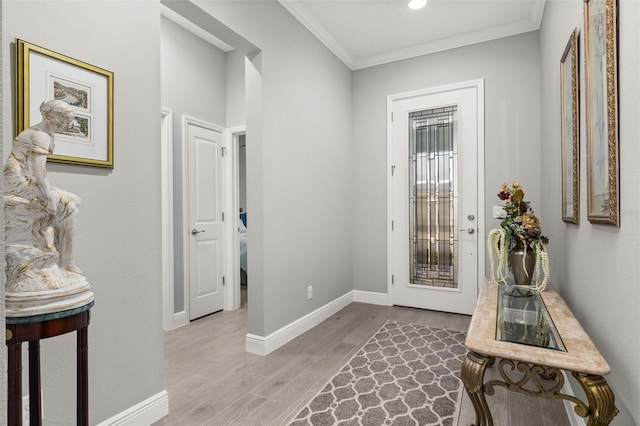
x=193, y=75
x=118, y=235
x=299, y=166
x=235, y=89
x=510, y=67
x=596, y=266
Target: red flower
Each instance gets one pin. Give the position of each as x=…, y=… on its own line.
x=504, y=195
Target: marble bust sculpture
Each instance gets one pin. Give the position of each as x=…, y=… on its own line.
x=39, y=224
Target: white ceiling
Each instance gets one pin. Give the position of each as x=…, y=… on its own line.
x=364, y=33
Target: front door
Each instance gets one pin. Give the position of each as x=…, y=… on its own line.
x=205, y=231
x=434, y=186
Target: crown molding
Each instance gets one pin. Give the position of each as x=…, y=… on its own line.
x=532, y=23
x=537, y=12
x=309, y=22
x=467, y=39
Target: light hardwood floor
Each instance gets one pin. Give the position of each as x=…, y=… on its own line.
x=211, y=380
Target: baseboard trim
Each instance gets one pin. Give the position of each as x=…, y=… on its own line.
x=370, y=297
x=265, y=345
x=180, y=319
x=146, y=412
x=574, y=418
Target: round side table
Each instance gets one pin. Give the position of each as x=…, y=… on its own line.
x=32, y=329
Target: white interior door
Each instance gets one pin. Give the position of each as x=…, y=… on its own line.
x=205, y=220
x=434, y=183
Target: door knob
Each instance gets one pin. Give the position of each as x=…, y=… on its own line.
x=194, y=231
x=469, y=230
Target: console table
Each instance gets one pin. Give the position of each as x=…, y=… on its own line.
x=534, y=336
x=32, y=329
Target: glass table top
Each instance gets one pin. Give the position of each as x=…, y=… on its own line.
x=523, y=318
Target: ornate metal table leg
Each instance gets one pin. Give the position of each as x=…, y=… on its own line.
x=472, y=376
x=602, y=408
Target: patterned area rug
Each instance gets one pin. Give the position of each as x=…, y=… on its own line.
x=404, y=375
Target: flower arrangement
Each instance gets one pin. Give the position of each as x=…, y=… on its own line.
x=520, y=229
x=521, y=225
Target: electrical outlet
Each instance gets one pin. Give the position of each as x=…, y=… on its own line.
x=310, y=292
x=498, y=212
x=26, y=416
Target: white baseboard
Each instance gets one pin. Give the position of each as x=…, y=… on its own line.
x=370, y=297
x=174, y=320
x=265, y=345
x=574, y=418
x=146, y=412
x=180, y=319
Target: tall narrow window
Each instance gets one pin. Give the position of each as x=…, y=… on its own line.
x=433, y=155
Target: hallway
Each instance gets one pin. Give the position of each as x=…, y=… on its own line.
x=211, y=380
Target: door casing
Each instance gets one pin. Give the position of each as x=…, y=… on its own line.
x=479, y=85
x=170, y=319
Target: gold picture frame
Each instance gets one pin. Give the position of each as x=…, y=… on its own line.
x=43, y=74
x=600, y=36
x=570, y=131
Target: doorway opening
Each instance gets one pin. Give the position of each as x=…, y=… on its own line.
x=176, y=311
x=242, y=209
x=238, y=231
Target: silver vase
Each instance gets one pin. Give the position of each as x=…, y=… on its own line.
x=522, y=273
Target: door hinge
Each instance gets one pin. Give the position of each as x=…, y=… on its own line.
x=224, y=151
x=392, y=224
x=393, y=279
x=392, y=117
x=223, y=216
x=393, y=169
x=223, y=280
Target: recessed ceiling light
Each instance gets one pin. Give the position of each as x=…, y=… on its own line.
x=417, y=4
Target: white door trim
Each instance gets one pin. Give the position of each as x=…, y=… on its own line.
x=479, y=86
x=166, y=185
x=186, y=121
x=232, y=205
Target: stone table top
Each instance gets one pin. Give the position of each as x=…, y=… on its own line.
x=581, y=355
x=49, y=316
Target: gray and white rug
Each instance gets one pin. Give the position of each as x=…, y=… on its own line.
x=405, y=374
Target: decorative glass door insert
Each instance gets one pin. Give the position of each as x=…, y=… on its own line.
x=433, y=157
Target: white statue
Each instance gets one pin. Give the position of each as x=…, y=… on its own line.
x=39, y=223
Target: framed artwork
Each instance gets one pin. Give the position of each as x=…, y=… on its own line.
x=569, y=131
x=600, y=36
x=43, y=75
